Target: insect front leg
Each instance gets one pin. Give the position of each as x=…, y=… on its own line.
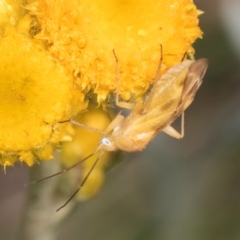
x=173, y=132
x=120, y=104
x=85, y=126
x=115, y=122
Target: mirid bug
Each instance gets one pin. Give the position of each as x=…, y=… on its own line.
x=169, y=97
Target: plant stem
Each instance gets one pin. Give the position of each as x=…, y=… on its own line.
x=40, y=220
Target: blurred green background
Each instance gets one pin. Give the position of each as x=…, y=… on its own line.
x=175, y=189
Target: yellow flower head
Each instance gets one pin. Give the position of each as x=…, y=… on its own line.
x=54, y=53
x=35, y=96
x=82, y=35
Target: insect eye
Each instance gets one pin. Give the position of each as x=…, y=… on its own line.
x=106, y=141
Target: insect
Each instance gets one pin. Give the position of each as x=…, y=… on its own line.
x=169, y=97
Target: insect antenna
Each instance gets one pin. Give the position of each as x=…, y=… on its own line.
x=82, y=183
x=61, y=172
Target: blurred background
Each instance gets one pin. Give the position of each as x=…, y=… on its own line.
x=183, y=190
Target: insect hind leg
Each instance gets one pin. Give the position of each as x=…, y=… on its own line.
x=173, y=132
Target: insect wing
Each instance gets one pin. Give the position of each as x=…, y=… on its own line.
x=193, y=81
x=167, y=95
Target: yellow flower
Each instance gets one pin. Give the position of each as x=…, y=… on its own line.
x=10, y=12
x=36, y=95
x=82, y=35
x=56, y=54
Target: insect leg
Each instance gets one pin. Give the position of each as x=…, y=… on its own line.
x=173, y=132
x=82, y=183
x=118, y=119
x=118, y=102
x=182, y=124
x=110, y=127
x=83, y=125
x=87, y=127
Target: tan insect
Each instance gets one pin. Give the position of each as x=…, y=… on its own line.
x=170, y=96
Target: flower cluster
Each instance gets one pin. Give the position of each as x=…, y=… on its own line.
x=57, y=55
